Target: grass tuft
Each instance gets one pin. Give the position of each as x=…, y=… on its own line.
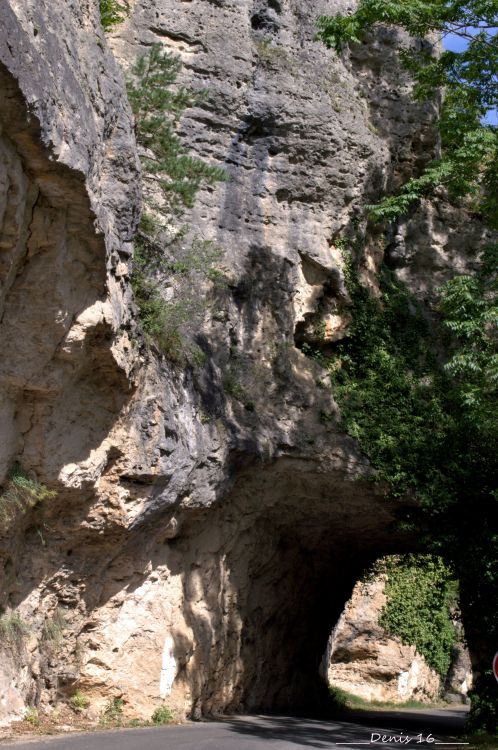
x=20, y=494
x=13, y=630
x=79, y=702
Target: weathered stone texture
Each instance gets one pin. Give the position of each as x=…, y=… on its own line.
x=197, y=531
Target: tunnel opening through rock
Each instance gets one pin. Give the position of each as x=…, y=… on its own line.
x=267, y=577
x=400, y=637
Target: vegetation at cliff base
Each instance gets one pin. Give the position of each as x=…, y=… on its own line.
x=165, y=263
x=342, y=701
x=162, y=715
x=113, y=714
x=79, y=702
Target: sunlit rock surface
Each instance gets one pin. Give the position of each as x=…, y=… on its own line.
x=203, y=542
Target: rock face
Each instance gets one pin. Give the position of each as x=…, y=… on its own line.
x=69, y=202
x=459, y=679
x=198, y=529
x=367, y=662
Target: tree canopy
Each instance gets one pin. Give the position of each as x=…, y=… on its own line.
x=418, y=390
x=468, y=166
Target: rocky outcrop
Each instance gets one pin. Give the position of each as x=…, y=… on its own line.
x=198, y=529
x=70, y=201
x=365, y=660
x=459, y=679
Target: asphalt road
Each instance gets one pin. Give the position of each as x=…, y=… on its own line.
x=366, y=729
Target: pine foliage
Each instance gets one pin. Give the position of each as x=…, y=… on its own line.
x=158, y=103
x=163, y=258
x=112, y=12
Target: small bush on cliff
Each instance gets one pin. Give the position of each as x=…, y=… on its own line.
x=111, y=13
x=171, y=181
x=20, y=494
x=79, y=702
x=172, y=323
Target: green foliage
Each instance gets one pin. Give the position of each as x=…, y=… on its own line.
x=111, y=13
x=20, y=494
x=339, y=700
x=385, y=381
x=13, y=630
x=53, y=629
x=419, y=590
x=160, y=259
x=480, y=741
x=113, y=712
x=428, y=427
x=158, y=103
x=418, y=18
x=470, y=308
x=79, y=702
x=484, y=713
x=136, y=723
x=162, y=715
x=31, y=714
x=469, y=146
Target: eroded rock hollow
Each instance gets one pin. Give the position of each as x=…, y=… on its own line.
x=203, y=539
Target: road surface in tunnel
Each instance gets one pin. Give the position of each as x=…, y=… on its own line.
x=417, y=728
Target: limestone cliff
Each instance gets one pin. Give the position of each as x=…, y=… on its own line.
x=197, y=534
